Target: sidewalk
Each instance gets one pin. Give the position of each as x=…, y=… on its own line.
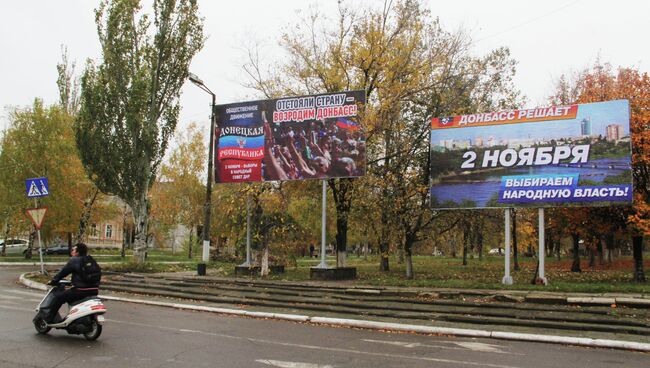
x=577, y=319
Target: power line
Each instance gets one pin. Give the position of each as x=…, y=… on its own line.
x=526, y=22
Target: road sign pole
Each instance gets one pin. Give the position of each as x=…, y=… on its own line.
x=40, y=243
x=40, y=252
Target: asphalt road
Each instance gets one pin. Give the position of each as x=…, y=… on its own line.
x=145, y=336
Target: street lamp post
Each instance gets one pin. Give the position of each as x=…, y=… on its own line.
x=208, y=192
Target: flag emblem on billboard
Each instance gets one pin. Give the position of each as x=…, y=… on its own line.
x=346, y=124
x=445, y=121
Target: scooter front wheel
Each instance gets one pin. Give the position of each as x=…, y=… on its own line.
x=95, y=330
x=40, y=326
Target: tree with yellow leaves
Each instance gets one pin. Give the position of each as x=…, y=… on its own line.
x=40, y=143
x=177, y=197
x=601, y=83
x=411, y=70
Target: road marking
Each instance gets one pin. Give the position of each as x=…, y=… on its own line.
x=10, y=297
x=18, y=300
x=14, y=308
x=314, y=347
x=475, y=346
x=479, y=346
x=281, y=364
x=21, y=292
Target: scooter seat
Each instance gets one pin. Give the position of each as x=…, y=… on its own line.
x=72, y=304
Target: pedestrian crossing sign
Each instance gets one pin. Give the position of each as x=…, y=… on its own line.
x=37, y=187
x=36, y=215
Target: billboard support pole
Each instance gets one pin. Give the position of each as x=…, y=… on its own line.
x=507, y=279
x=323, y=263
x=542, y=250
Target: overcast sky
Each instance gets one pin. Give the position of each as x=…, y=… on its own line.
x=547, y=38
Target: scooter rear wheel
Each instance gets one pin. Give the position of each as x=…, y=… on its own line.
x=96, y=330
x=40, y=326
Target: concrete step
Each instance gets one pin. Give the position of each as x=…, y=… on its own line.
x=566, y=318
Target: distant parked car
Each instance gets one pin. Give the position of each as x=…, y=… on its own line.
x=496, y=252
x=15, y=246
x=58, y=249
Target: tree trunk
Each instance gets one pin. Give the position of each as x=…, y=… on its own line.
x=409, y=262
x=465, y=240
x=479, y=242
x=69, y=243
x=557, y=244
x=599, y=249
x=5, y=236
x=126, y=243
x=125, y=236
x=515, y=247
x=384, y=264
x=400, y=255
x=592, y=256
x=342, y=193
x=341, y=238
x=637, y=252
x=264, y=269
x=125, y=231
x=191, y=244
x=386, y=196
x=341, y=258
x=609, y=244
x=536, y=274
x=575, y=267
x=30, y=246
x=85, y=216
x=454, y=244
x=141, y=229
x=365, y=246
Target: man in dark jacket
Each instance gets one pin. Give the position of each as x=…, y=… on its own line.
x=81, y=288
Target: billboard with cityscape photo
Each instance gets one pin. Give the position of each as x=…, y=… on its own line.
x=578, y=155
x=292, y=138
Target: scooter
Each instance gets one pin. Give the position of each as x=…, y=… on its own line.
x=84, y=316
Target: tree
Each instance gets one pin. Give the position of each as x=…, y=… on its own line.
x=411, y=70
x=40, y=143
x=130, y=101
x=601, y=83
x=68, y=85
x=177, y=198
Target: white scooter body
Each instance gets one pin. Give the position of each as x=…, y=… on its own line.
x=92, y=308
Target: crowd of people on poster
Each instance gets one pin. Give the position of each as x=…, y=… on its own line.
x=307, y=137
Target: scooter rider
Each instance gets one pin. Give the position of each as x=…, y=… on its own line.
x=81, y=288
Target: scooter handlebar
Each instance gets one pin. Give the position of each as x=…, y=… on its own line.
x=60, y=283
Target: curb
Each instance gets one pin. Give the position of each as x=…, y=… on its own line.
x=57, y=263
x=385, y=326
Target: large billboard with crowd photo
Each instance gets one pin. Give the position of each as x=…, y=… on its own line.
x=578, y=155
x=293, y=138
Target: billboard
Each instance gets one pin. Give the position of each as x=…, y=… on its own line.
x=578, y=155
x=293, y=138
